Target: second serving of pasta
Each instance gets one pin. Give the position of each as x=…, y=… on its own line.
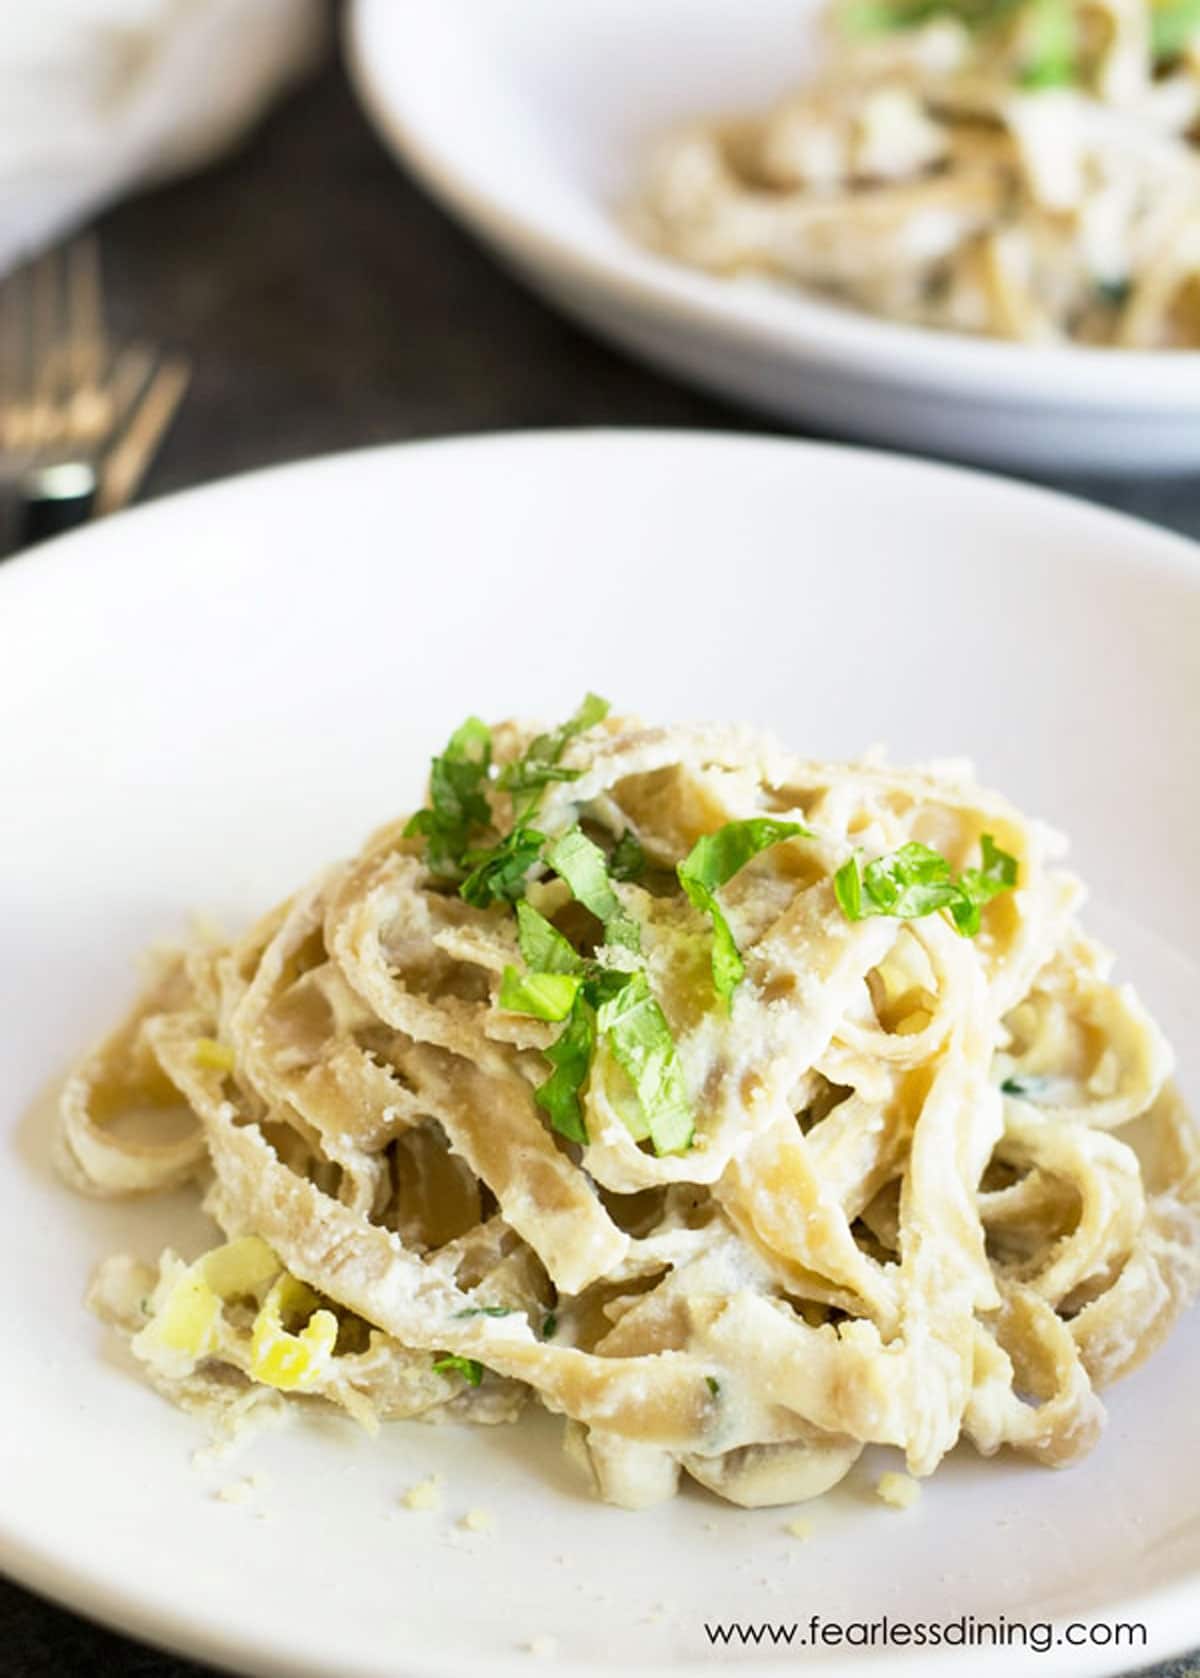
x=1022, y=169
x=743, y=1109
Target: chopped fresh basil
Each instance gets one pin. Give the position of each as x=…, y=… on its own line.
x=636, y=1030
x=540, y=762
x=1051, y=48
x=628, y=859
x=549, y=1325
x=727, y=964
x=1174, y=24
x=1026, y=1087
x=543, y=946
x=545, y=996
x=712, y=862
x=878, y=17
x=916, y=881
x=575, y=859
x=714, y=1386
x=452, y=1364
x=498, y=873
x=487, y=1311
x=619, y=1006
x=571, y=1057
x=979, y=885
x=1113, y=292
x=457, y=782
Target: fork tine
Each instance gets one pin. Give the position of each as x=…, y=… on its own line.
x=127, y=463
x=14, y=347
x=85, y=311
x=44, y=346
x=127, y=377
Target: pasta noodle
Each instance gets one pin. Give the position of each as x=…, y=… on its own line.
x=782, y=1109
x=1023, y=169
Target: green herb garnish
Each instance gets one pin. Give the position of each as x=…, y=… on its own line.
x=458, y=805
x=1173, y=26
x=452, y=1364
x=1050, y=45
x=498, y=872
x=916, y=881
x=979, y=885
x=487, y=1311
x=543, y=946
x=575, y=859
x=457, y=783
x=712, y=862
x=636, y=1030
x=628, y=859
x=549, y=1325
x=571, y=1057
x=1025, y=1087
x=877, y=17
x=543, y=996
x=540, y=762
x=714, y=1386
x=619, y=1006
x=1113, y=292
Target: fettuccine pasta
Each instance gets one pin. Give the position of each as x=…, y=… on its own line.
x=742, y=1109
x=1023, y=169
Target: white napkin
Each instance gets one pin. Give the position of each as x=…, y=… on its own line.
x=97, y=96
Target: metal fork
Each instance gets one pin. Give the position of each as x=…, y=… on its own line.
x=80, y=420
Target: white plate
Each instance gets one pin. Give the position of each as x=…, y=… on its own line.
x=530, y=119
x=203, y=701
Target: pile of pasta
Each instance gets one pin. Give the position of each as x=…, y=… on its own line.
x=1024, y=169
x=908, y=1214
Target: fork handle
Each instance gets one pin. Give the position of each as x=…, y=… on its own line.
x=54, y=499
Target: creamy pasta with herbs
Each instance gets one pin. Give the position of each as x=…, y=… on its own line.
x=1024, y=169
x=742, y=1109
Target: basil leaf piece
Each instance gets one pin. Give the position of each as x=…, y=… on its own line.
x=979, y=885
x=1173, y=27
x=542, y=945
x=916, y=881
x=544, y=996
x=1026, y=1087
x=628, y=859
x=876, y=17
x=470, y=1370
x=714, y=859
x=488, y=1311
x=575, y=859
x=571, y=1057
x=847, y=888
x=1115, y=293
x=727, y=964
x=498, y=872
x=712, y=862
x=636, y=1030
x=549, y=1325
x=1051, y=45
x=457, y=782
x=539, y=763
x=912, y=882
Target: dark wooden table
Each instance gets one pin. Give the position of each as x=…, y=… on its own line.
x=326, y=304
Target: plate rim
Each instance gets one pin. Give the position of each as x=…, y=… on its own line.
x=1089, y=379
x=36, y=1567
x=1178, y=552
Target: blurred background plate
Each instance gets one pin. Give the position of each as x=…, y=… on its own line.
x=205, y=700
x=531, y=120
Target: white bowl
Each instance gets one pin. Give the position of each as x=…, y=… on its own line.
x=530, y=120
x=207, y=699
